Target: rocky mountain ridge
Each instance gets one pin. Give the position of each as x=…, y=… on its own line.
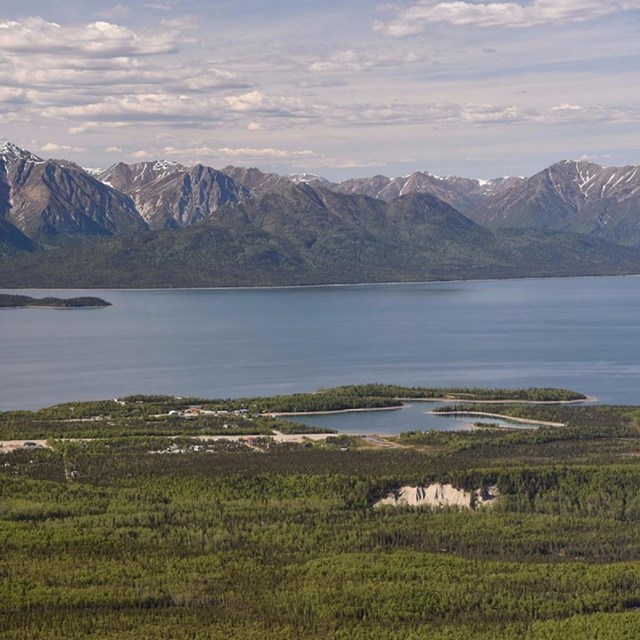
x=54, y=202
x=170, y=195
x=49, y=203
x=581, y=197
x=298, y=234
x=464, y=194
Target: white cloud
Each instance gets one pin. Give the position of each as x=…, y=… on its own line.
x=236, y=152
x=48, y=65
x=414, y=113
x=151, y=106
x=450, y=115
x=96, y=127
x=342, y=162
x=54, y=148
x=353, y=60
x=258, y=102
x=415, y=18
x=589, y=114
x=141, y=155
x=248, y=152
x=595, y=157
x=565, y=106
x=34, y=36
x=488, y=114
x=113, y=149
x=13, y=95
x=200, y=110
x=203, y=78
x=253, y=100
x=68, y=79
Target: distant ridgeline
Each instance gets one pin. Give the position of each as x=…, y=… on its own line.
x=161, y=224
x=13, y=301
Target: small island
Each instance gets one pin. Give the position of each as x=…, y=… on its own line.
x=9, y=301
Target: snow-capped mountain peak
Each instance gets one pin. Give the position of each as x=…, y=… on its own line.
x=11, y=151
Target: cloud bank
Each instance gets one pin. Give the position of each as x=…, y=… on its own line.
x=417, y=17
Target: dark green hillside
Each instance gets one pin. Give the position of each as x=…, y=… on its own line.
x=546, y=253
x=202, y=256
x=13, y=241
x=294, y=235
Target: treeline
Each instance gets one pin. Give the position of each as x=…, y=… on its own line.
x=606, y=416
x=318, y=402
x=532, y=394
x=13, y=427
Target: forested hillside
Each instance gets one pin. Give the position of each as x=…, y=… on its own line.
x=299, y=235
x=146, y=537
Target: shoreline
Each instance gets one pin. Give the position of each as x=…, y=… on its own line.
x=509, y=401
x=407, y=400
x=499, y=416
x=333, y=411
x=471, y=426
x=404, y=402
x=325, y=285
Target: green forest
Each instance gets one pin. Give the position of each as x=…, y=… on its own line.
x=129, y=523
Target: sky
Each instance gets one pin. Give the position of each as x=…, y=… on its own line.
x=342, y=88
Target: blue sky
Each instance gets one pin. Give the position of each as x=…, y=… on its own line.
x=352, y=88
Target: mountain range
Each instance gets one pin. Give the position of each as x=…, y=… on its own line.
x=161, y=223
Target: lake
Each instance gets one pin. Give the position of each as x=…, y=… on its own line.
x=413, y=416
x=580, y=333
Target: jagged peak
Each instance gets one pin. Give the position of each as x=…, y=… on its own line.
x=577, y=164
x=306, y=177
x=162, y=165
x=115, y=165
x=93, y=171
x=10, y=150
x=233, y=167
x=419, y=174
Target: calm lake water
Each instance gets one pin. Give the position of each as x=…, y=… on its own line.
x=581, y=333
x=413, y=416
